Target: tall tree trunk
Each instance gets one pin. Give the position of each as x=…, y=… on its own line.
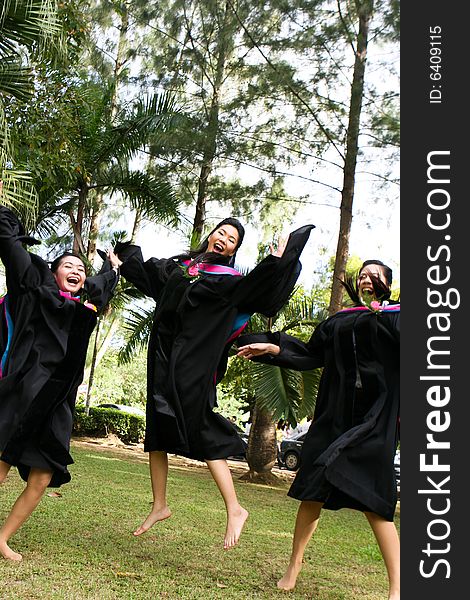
x=77, y=223
x=119, y=64
x=212, y=129
x=97, y=211
x=120, y=59
x=262, y=447
x=365, y=10
x=137, y=224
x=102, y=346
x=98, y=204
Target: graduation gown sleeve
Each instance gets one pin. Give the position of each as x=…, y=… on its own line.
x=17, y=261
x=149, y=276
x=294, y=354
x=100, y=288
x=268, y=286
x=27, y=271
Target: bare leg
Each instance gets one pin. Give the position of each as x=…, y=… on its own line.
x=308, y=516
x=26, y=502
x=4, y=469
x=158, y=462
x=236, y=514
x=387, y=538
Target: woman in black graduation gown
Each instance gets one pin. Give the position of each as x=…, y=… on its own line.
x=202, y=306
x=347, y=456
x=44, y=332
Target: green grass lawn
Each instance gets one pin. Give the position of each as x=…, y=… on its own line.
x=80, y=545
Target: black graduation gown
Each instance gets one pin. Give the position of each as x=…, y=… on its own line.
x=47, y=336
x=347, y=456
x=192, y=332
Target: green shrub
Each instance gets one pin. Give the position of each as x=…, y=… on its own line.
x=101, y=421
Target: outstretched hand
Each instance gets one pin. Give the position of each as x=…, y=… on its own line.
x=114, y=259
x=258, y=349
x=280, y=247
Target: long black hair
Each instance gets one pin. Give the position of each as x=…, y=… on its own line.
x=201, y=255
x=381, y=290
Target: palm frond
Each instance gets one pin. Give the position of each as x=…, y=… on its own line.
x=17, y=192
x=287, y=394
x=30, y=23
x=124, y=292
x=154, y=196
x=52, y=219
x=15, y=79
x=277, y=389
x=310, y=382
x=257, y=323
x=143, y=119
x=139, y=324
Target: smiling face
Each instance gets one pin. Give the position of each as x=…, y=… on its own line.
x=70, y=274
x=365, y=282
x=223, y=240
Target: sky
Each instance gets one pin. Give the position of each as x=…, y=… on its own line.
x=375, y=229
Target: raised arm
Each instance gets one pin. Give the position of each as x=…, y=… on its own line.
x=100, y=288
x=268, y=286
x=20, y=272
x=149, y=277
x=283, y=350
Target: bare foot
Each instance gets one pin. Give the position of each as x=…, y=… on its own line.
x=235, y=522
x=154, y=517
x=290, y=577
x=394, y=596
x=8, y=553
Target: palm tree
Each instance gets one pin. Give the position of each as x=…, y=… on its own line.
x=138, y=324
x=280, y=393
x=77, y=154
x=28, y=28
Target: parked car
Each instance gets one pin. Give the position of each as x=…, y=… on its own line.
x=289, y=451
x=134, y=410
